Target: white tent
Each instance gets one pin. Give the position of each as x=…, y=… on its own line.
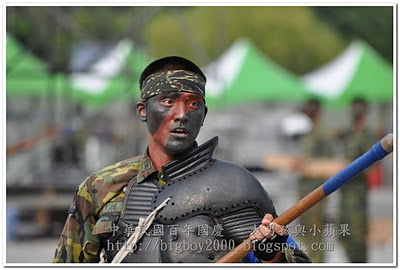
x=359, y=71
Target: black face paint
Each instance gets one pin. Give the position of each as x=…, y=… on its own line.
x=156, y=112
x=176, y=145
x=175, y=125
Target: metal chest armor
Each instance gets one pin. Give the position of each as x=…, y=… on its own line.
x=206, y=195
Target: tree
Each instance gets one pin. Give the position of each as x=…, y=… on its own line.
x=52, y=32
x=371, y=24
x=292, y=36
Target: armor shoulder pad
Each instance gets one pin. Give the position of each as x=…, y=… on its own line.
x=236, y=174
x=216, y=189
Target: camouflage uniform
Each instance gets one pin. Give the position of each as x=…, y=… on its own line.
x=98, y=200
x=354, y=199
x=315, y=145
x=99, y=195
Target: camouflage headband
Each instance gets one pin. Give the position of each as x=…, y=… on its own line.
x=172, y=81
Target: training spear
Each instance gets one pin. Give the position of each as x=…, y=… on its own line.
x=377, y=152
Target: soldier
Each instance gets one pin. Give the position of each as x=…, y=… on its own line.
x=315, y=145
x=354, y=205
x=209, y=205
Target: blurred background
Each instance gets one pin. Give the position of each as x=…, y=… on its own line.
x=72, y=86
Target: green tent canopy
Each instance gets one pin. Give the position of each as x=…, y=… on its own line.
x=357, y=72
x=244, y=74
x=26, y=74
x=113, y=77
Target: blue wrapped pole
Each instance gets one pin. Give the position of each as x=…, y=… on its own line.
x=377, y=152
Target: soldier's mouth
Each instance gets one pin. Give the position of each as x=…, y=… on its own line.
x=180, y=132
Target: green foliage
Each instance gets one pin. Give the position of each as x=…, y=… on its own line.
x=103, y=23
x=52, y=32
x=292, y=36
x=298, y=38
x=371, y=24
x=38, y=30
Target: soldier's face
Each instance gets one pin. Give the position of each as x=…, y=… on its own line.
x=358, y=110
x=174, y=120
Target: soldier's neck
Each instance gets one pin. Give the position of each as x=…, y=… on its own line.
x=157, y=155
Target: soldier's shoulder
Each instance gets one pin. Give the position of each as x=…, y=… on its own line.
x=232, y=170
x=122, y=171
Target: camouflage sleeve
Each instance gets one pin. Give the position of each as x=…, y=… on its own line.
x=77, y=244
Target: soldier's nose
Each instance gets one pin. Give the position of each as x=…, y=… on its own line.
x=181, y=113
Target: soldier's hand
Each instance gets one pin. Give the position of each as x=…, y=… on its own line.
x=269, y=234
x=267, y=229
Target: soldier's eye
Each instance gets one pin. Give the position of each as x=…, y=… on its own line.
x=194, y=104
x=167, y=102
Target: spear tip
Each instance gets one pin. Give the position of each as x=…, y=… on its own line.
x=387, y=143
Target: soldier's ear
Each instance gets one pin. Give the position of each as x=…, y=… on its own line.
x=141, y=111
